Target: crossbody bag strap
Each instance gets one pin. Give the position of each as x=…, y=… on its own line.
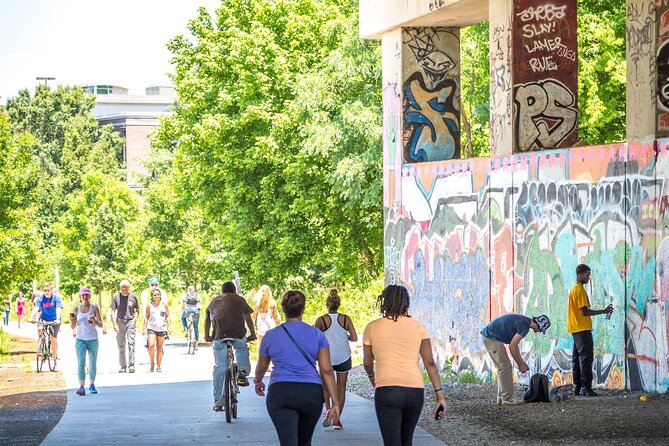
x=298, y=346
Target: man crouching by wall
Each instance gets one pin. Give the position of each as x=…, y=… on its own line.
x=509, y=329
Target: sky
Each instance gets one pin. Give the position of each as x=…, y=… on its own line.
x=90, y=42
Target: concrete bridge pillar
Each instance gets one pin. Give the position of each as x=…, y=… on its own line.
x=534, y=75
x=647, y=112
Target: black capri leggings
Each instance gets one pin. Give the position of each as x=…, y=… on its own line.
x=295, y=408
x=397, y=411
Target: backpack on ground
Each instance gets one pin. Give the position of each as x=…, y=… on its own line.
x=538, y=390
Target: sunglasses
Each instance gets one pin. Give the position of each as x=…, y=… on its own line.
x=154, y=284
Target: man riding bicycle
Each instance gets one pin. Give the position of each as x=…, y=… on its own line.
x=49, y=306
x=190, y=304
x=228, y=313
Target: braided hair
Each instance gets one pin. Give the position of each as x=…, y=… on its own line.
x=333, y=301
x=394, y=302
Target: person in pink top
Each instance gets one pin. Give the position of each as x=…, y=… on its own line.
x=20, y=307
x=392, y=347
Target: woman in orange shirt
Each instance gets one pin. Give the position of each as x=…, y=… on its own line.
x=392, y=346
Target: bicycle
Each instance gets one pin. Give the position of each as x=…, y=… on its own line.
x=190, y=330
x=231, y=387
x=44, y=345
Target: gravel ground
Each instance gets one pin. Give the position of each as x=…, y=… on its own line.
x=612, y=418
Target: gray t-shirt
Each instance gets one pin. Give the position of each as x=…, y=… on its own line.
x=504, y=328
x=126, y=307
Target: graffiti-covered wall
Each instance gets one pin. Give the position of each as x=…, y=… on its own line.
x=431, y=93
x=474, y=239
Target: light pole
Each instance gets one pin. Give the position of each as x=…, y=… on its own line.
x=45, y=79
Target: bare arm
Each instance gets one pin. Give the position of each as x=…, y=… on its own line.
x=147, y=313
x=73, y=320
x=167, y=317
x=327, y=376
x=514, y=348
x=252, y=328
x=99, y=321
x=589, y=312
x=352, y=334
x=433, y=374
x=319, y=323
x=261, y=368
x=368, y=362
x=275, y=315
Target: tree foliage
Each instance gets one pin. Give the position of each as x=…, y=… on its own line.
x=19, y=245
x=98, y=233
x=277, y=138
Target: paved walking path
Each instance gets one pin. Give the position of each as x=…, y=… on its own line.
x=174, y=407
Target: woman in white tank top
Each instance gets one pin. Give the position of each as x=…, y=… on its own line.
x=339, y=331
x=156, y=327
x=83, y=320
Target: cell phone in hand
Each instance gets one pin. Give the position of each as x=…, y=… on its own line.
x=440, y=410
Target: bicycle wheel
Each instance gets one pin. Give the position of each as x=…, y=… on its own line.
x=40, y=355
x=228, y=395
x=234, y=391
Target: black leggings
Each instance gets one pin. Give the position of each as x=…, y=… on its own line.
x=397, y=411
x=295, y=408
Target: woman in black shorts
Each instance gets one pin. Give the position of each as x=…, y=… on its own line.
x=156, y=326
x=339, y=331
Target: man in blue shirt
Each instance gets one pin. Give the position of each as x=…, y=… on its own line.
x=509, y=329
x=49, y=306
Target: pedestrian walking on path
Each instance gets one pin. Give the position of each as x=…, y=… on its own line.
x=20, y=307
x=83, y=320
x=125, y=308
x=265, y=313
x=339, y=331
x=392, y=346
x=295, y=394
x=156, y=328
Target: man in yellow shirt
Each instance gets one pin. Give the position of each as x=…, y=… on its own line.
x=579, y=324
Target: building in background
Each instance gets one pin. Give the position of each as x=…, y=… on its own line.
x=133, y=117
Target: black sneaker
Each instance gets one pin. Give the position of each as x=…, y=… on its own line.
x=588, y=392
x=577, y=391
x=242, y=381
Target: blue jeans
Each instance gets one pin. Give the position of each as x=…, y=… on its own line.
x=221, y=364
x=92, y=347
x=5, y=317
x=196, y=320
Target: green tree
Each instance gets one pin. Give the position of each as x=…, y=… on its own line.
x=601, y=71
x=277, y=137
x=475, y=89
x=98, y=233
x=19, y=246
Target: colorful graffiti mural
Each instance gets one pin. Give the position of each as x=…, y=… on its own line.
x=474, y=239
x=431, y=115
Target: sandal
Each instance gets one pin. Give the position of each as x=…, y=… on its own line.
x=151, y=368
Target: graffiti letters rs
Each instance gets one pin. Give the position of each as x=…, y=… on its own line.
x=545, y=114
